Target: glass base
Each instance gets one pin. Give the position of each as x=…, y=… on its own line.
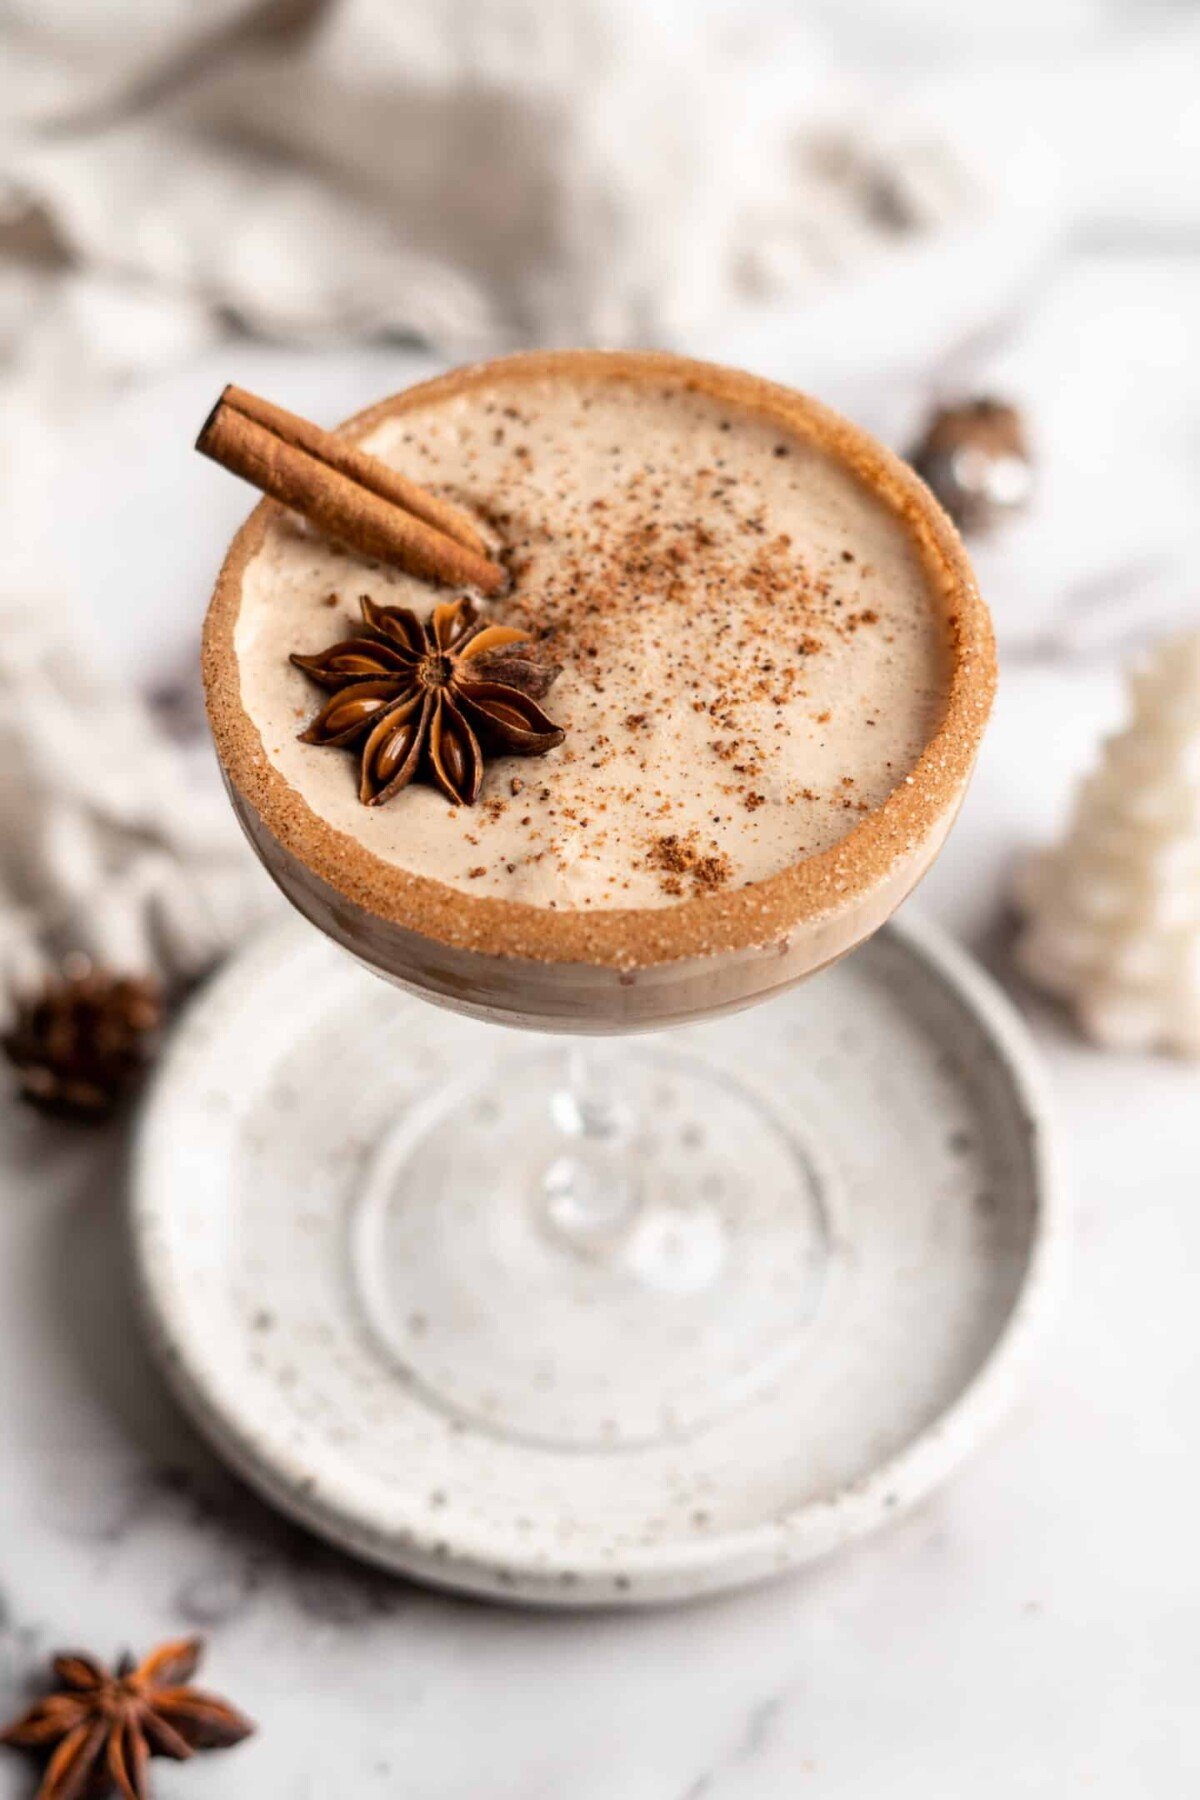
x=592, y=1248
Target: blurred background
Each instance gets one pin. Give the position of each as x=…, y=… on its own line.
x=883, y=202
x=897, y=204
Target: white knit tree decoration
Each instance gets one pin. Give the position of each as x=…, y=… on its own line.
x=1113, y=913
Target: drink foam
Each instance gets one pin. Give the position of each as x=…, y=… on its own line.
x=752, y=657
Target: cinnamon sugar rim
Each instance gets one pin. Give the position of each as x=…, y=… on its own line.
x=755, y=914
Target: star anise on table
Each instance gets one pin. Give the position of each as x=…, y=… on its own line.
x=425, y=698
x=83, y=1040
x=101, y=1728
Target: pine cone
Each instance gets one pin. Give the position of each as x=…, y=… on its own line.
x=81, y=1043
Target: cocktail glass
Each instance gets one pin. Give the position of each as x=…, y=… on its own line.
x=586, y=1236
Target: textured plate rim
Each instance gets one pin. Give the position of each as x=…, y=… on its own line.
x=679, y=1568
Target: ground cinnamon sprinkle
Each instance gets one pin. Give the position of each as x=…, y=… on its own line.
x=712, y=872
x=675, y=857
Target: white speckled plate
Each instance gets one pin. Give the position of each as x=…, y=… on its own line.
x=252, y=1149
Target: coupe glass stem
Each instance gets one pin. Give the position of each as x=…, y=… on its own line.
x=596, y=1244
x=589, y=1192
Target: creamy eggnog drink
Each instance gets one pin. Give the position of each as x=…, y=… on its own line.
x=751, y=671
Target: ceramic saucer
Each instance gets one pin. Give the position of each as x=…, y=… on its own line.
x=253, y=1152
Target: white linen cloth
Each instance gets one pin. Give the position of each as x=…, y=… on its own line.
x=471, y=174
x=109, y=842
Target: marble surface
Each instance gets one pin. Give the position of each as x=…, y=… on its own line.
x=1032, y=1631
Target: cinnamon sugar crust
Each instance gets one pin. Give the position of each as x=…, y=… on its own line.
x=701, y=911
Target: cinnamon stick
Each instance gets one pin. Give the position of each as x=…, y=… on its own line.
x=368, y=471
x=346, y=493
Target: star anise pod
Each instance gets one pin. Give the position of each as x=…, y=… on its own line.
x=101, y=1728
x=84, y=1039
x=424, y=697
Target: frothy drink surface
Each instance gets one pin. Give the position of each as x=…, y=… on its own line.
x=752, y=657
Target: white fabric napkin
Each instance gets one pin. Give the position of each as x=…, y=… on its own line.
x=110, y=841
x=472, y=173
